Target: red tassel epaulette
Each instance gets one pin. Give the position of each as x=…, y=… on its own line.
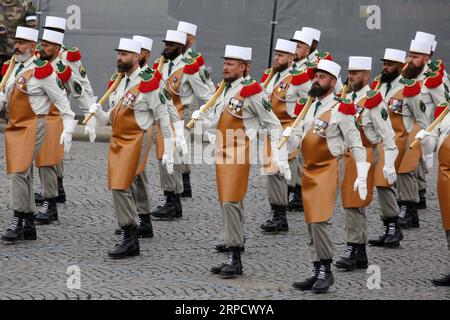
x=64, y=72
x=434, y=80
x=347, y=107
x=300, y=78
x=265, y=75
x=73, y=55
x=299, y=106
x=5, y=67
x=112, y=80
x=251, y=89
x=412, y=88
x=198, y=57
x=191, y=66
x=43, y=69
x=149, y=82
x=439, y=109
x=374, y=98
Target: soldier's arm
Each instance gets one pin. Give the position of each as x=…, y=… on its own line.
x=418, y=109
x=201, y=90
x=383, y=126
x=57, y=96
x=160, y=111
x=352, y=137
x=260, y=106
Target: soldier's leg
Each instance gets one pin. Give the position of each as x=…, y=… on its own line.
x=61, y=192
x=445, y=280
x=422, y=184
x=22, y=197
x=277, y=194
x=186, y=176
x=172, y=184
x=323, y=245
x=408, y=190
x=49, y=182
x=233, y=234
x=125, y=211
x=294, y=185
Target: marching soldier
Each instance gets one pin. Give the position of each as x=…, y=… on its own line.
x=30, y=92
x=304, y=42
x=376, y=130
x=51, y=153
x=325, y=133
x=70, y=57
x=286, y=86
x=439, y=139
x=183, y=83
x=134, y=106
x=238, y=114
x=191, y=32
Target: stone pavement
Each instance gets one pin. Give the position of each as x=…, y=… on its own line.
x=175, y=263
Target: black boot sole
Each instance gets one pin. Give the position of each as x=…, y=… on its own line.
x=145, y=235
x=345, y=268
x=320, y=291
x=392, y=245
x=124, y=256
x=376, y=244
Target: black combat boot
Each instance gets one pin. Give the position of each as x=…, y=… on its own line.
x=61, y=193
x=348, y=260
x=404, y=217
x=442, y=282
x=394, y=235
x=48, y=212
x=325, y=278
x=167, y=211
x=414, y=214
x=362, y=262
x=308, y=283
x=379, y=242
x=22, y=227
x=233, y=265
x=423, y=201
x=187, y=190
x=223, y=248
x=145, y=228
x=278, y=221
x=295, y=201
x=38, y=198
x=176, y=199
x=128, y=244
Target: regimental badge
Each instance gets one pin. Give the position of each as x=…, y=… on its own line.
x=359, y=110
x=129, y=99
x=320, y=127
x=77, y=87
x=167, y=94
x=282, y=86
x=384, y=114
x=60, y=84
x=266, y=104
x=423, y=107
x=396, y=105
x=82, y=72
x=206, y=73
x=21, y=82
x=235, y=105
x=203, y=77
x=162, y=98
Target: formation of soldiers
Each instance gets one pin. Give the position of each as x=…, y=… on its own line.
x=321, y=137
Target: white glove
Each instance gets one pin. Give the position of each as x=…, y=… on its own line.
x=198, y=115
x=66, y=136
x=288, y=132
x=361, y=181
x=2, y=98
x=280, y=159
x=389, y=168
x=167, y=159
x=428, y=159
x=180, y=140
x=95, y=108
x=211, y=137
x=426, y=140
x=90, y=129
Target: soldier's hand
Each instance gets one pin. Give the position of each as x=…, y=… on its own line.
x=167, y=159
x=90, y=129
x=426, y=140
x=389, y=166
x=197, y=115
x=95, y=107
x=361, y=181
x=288, y=132
x=66, y=136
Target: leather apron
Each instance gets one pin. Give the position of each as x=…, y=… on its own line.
x=443, y=183
x=51, y=152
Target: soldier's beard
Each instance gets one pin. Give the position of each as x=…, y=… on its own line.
x=389, y=77
x=171, y=55
x=142, y=62
x=318, y=91
x=355, y=87
x=24, y=56
x=412, y=71
x=124, y=66
x=281, y=67
x=46, y=57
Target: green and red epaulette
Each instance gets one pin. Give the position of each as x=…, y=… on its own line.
x=265, y=75
x=437, y=66
x=43, y=69
x=375, y=82
x=374, y=98
x=250, y=88
x=73, y=55
x=190, y=67
x=149, y=82
x=299, y=78
x=311, y=70
x=198, y=57
x=64, y=72
x=347, y=107
x=412, y=87
x=5, y=67
x=439, y=109
x=112, y=80
x=433, y=80
x=300, y=105
x=324, y=55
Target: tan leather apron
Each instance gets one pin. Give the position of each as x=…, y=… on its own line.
x=125, y=145
x=350, y=198
x=319, y=176
x=51, y=152
x=232, y=155
x=443, y=183
x=173, y=86
x=20, y=133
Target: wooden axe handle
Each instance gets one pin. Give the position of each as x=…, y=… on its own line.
x=430, y=128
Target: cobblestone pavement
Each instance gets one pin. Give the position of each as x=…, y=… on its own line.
x=175, y=263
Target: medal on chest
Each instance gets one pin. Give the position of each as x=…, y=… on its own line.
x=395, y=105
x=282, y=86
x=320, y=127
x=235, y=105
x=129, y=99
